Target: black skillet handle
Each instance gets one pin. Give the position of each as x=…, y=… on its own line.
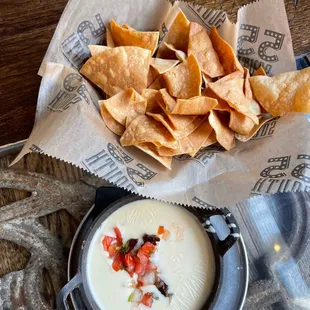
x=234, y=231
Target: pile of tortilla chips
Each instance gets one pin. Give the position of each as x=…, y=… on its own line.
x=192, y=94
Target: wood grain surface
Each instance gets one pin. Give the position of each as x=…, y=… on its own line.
x=26, y=29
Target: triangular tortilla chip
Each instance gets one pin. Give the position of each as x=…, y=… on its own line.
x=110, y=122
x=206, y=79
x=177, y=36
x=210, y=140
x=163, y=65
x=231, y=91
x=194, y=106
x=262, y=121
x=97, y=49
x=151, y=76
x=158, y=84
x=184, y=80
x=185, y=147
x=145, y=129
x=247, y=86
x=169, y=102
x=201, y=46
x=222, y=105
x=278, y=94
x=151, y=150
x=119, y=68
x=240, y=123
x=128, y=27
x=175, y=53
x=224, y=135
x=260, y=71
x=109, y=39
x=126, y=104
x=129, y=37
x=225, y=53
x=151, y=96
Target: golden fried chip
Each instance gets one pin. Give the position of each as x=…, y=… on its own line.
x=194, y=106
x=240, y=123
x=302, y=99
x=119, y=68
x=126, y=104
x=152, y=76
x=201, y=46
x=163, y=65
x=158, y=84
x=231, y=90
x=184, y=80
x=169, y=102
x=145, y=129
x=185, y=147
x=109, y=39
x=224, y=135
x=96, y=49
x=225, y=53
x=278, y=94
x=130, y=37
x=210, y=140
x=262, y=121
x=175, y=53
x=110, y=122
x=260, y=71
x=151, y=150
x=247, y=86
x=222, y=105
x=151, y=96
x=127, y=27
x=206, y=79
x=177, y=36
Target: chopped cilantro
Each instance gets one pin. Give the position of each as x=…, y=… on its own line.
x=130, y=297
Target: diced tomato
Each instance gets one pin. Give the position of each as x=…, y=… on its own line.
x=118, y=262
x=150, y=267
x=112, y=250
x=107, y=240
x=147, y=249
x=142, y=257
x=130, y=264
x=118, y=234
x=140, y=268
x=147, y=300
x=160, y=230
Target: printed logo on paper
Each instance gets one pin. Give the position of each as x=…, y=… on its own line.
x=208, y=17
x=266, y=54
x=280, y=176
x=105, y=164
x=75, y=47
x=73, y=92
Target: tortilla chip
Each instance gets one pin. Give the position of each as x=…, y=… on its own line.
x=109, y=39
x=151, y=150
x=169, y=102
x=262, y=121
x=151, y=76
x=158, y=84
x=163, y=65
x=225, y=53
x=119, y=68
x=231, y=91
x=175, y=53
x=129, y=37
x=177, y=36
x=302, y=99
x=260, y=71
x=128, y=27
x=184, y=80
x=151, y=96
x=110, y=122
x=240, y=123
x=224, y=135
x=277, y=94
x=126, y=104
x=247, y=86
x=185, y=147
x=206, y=79
x=222, y=105
x=200, y=45
x=177, y=132
x=195, y=106
x=96, y=49
x=210, y=140
x=145, y=129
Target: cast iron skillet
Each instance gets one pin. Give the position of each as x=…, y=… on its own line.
x=110, y=199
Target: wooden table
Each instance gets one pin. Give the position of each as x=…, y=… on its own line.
x=26, y=29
